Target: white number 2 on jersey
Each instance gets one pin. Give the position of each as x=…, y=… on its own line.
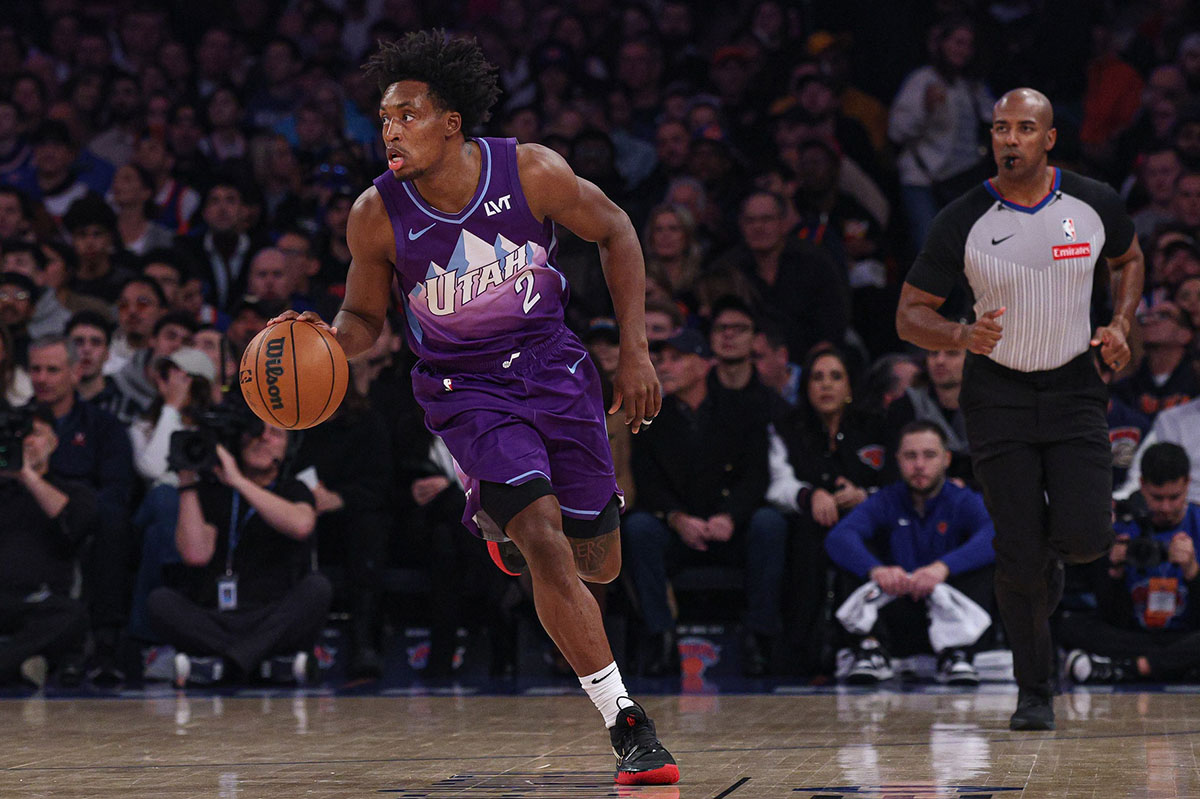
x=531, y=299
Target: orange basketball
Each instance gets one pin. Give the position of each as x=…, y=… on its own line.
x=294, y=375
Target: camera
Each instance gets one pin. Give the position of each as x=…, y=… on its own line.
x=1145, y=551
x=15, y=425
x=196, y=450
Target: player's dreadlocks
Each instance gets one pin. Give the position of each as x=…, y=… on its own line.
x=459, y=77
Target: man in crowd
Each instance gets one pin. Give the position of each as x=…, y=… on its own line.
x=1147, y=625
x=909, y=538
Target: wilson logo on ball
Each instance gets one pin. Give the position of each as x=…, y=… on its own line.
x=274, y=371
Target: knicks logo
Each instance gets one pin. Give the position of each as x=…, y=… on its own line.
x=872, y=456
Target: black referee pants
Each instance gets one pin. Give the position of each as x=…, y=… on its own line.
x=1039, y=445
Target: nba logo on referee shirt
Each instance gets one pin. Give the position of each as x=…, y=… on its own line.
x=1069, y=229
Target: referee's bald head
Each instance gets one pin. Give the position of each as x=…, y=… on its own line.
x=1026, y=101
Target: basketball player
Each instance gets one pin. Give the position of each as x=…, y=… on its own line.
x=468, y=226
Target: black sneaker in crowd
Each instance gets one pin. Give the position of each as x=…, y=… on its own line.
x=871, y=664
x=955, y=668
x=1035, y=711
x=1084, y=667
x=641, y=757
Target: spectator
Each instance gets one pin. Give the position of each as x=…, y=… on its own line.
x=93, y=448
x=1180, y=426
x=140, y=304
x=127, y=115
x=1158, y=172
x=351, y=460
x=46, y=519
x=936, y=403
x=175, y=201
x=15, y=388
x=18, y=295
x=1167, y=376
x=247, y=593
x=223, y=249
x=773, y=363
x=91, y=335
x=184, y=381
x=101, y=267
x=825, y=459
x=55, y=182
x=672, y=251
x=166, y=268
x=795, y=281
x=936, y=120
x=1146, y=625
x=701, y=473
x=1187, y=297
x=225, y=141
x=133, y=198
x=134, y=381
x=909, y=538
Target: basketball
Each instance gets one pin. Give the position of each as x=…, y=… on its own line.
x=294, y=375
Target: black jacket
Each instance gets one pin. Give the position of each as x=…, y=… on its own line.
x=36, y=550
x=710, y=461
x=858, y=453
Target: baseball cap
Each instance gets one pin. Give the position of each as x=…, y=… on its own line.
x=194, y=362
x=602, y=329
x=687, y=340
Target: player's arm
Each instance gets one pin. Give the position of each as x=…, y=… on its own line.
x=1127, y=273
x=368, y=281
x=553, y=190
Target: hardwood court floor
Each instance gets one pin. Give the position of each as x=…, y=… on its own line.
x=933, y=743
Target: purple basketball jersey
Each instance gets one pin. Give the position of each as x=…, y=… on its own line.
x=503, y=382
x=481, y=282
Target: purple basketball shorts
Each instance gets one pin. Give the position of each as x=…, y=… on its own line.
x=536, y=412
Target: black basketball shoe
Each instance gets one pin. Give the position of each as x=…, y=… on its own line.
x=507, y=557
x=641, y=757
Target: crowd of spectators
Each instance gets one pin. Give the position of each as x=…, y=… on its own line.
x=173, y=174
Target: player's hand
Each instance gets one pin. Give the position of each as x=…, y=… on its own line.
x=1114, y=350
x=985, y=333
x=892, y=580
x=636, y=388
x=308, y=316
x=691, y=530
x=720, y=527
x=824, y=508
x=426, y=488
x=922, y=582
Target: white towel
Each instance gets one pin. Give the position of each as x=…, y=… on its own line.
x=955, y=621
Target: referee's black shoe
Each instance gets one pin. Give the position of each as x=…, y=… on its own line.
x=1035, y=711
x=641, y=757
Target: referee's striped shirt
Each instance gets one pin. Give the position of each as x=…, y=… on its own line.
x=1036, y=261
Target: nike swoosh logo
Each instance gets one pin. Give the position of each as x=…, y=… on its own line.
x=994, y=241
x=414, y=236
x=605, y=677
x=575, y=366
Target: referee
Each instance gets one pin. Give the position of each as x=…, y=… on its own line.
x=1028, y=241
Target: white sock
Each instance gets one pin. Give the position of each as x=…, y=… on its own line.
x=604, y=688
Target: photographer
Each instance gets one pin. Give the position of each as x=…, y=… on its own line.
x=1147, y=625
x=45, y=519
x=247, y=591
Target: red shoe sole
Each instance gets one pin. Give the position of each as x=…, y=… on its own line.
x=665, y=775
x=494, y=550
